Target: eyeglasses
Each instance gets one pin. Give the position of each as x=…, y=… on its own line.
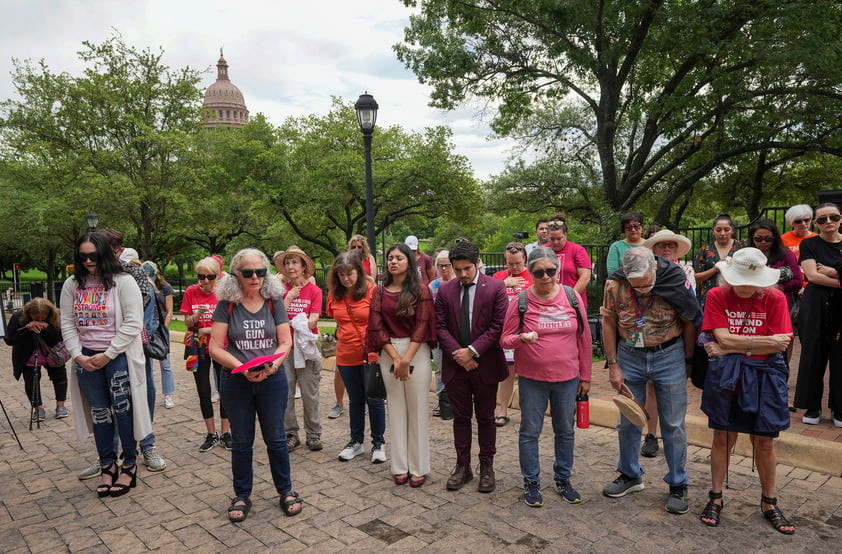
x=634, y=227
x=515, y=247
x=93, y=256
x=443, y=266
x=763, y=239
x=203, y=277
x=801, y=221
x=539, y=273
x=356, y=247
x=823, y=219
x=249, y=273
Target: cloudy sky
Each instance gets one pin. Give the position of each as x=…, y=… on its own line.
x=288, y=58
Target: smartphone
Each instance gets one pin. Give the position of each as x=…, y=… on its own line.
x=392, y=369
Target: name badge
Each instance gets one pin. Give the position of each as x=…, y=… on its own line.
x=639, y=322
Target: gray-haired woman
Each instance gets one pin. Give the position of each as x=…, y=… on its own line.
x=250, y=321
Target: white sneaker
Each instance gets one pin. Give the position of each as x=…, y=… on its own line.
x=378, y=454
x=297, y=391
x=215, y=397
x=168, y=403
x=351, y=451
x=90, y=472
x=336, y=411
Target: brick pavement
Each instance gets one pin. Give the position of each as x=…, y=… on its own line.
x=354, y=506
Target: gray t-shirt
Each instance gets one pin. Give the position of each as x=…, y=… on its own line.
x=251, y=334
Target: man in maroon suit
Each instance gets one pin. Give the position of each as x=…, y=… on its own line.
x=469, y=319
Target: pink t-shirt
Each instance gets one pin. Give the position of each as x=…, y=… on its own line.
x=769, y=314
x=195, y=298
x=570, y=258
x=560, y=353
x=94, y=311
x=309, y=301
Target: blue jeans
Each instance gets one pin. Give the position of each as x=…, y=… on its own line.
x=167, y=380
x=665, y=368
x=268, y=400
x=437, y=360
x=107, y=391
x=534, y=396
x=353, y=377
x=149, y=440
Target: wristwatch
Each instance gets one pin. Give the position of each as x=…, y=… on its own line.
x=611, y=361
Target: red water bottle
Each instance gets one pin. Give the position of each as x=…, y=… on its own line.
x=583, y=418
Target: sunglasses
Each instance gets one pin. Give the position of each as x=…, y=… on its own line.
x=801, y=221
x=356, y=247
x=515, y=247
x=823, y=219
x=634, y=227
x=556, y=225
x=93, y=256
x=249, y=273
x=763, y=239
x=539, y=273
x=208, y=277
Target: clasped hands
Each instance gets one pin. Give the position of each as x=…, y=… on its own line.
x=262, y=374
x=92, y=363
x=465, y=358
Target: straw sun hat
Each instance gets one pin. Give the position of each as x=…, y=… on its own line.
x=666, y=235
x=747, y=267
x=630, y=407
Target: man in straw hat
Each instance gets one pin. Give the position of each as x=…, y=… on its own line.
x=649, y=320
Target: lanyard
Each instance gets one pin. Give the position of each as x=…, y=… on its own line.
x=639, y=321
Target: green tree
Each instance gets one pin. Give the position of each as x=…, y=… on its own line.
x=123, y=126
x=617, y=101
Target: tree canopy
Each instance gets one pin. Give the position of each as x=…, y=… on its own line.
x=619, y=101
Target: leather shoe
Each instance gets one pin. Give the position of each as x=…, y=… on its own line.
x=458, y=478
x=486, y=478
x=446, y=412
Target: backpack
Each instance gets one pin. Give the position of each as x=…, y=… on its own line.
x=571, y=297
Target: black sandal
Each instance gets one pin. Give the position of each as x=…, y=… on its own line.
x=775, y=516
x=289, y=500
x=104, y=490
x=119, y=489
x=712, y=509
x=234, y=507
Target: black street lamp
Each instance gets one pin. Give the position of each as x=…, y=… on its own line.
x=92, y=220
x=366, y=108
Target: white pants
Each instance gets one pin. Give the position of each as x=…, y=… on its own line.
x=408, y=413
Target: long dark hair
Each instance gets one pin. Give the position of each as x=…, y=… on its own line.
x=411, y=291
x=346, y=261
x=107, y=264
x=777, y=252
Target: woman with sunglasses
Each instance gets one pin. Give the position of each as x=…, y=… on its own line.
x=799, y=218
x=632, y=225
x=198, y=305
x=401, y=327
x=302, y=297
x=358, y=243
x=820, y=319
x=553, y=359
x=723, y=246
x=517, y=278
x=250, y=321
x=101, y=322
x=574, y=263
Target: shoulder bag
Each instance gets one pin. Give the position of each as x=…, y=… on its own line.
x=158, y=347
x=375, y=387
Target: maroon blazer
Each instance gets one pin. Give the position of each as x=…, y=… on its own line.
x=490, y=305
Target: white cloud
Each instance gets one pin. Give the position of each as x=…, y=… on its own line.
x=287, y=58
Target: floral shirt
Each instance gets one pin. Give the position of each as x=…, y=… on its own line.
x=705, y=260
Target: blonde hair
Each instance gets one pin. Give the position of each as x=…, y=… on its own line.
x=210, y=263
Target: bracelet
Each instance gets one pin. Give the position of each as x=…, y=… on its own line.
x=611, y=361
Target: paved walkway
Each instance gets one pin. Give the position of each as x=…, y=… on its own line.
x=355, y=506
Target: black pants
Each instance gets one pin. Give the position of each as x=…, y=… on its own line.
x=820, y=325
x=203, y=386
x=58, y=375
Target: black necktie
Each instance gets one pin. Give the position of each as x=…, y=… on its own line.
x=465, y=327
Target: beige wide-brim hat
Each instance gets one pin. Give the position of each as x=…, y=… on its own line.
x=630, y=407
x=665, y=235
x=309, y=266
x=747, y=267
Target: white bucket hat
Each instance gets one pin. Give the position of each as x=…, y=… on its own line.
x=666, y=235
x=747, y=267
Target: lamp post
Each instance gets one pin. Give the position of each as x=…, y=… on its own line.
x=92, y=220
x=366, y=108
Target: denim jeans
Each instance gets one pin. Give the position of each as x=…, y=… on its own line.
x=354, y=381
x=665, y=368
x=437, y=361
x=149, y=440
x=534, y=396
x=267, y=400
x=167, y=380
x=107, y=391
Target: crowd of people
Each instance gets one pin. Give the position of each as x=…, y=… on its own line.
x=256, y=332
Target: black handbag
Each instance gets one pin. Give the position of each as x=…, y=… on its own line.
x=158, y=347
x=375, y=387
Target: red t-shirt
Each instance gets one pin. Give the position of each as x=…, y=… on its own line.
x=195, y=298
x=424, y=263
x=512, y=292
x=309, y=301
x=570, y=258
x=769, y=314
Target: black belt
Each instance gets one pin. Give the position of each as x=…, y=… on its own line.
x=656, y=348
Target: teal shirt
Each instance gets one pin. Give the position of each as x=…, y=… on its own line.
x=615, y=255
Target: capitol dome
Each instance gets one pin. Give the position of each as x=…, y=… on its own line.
x=224, y=103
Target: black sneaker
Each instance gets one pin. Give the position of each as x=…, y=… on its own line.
x=650, y=446
x=211, y=440
x=812, y=417
x=677, y=501
x=226, y=441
